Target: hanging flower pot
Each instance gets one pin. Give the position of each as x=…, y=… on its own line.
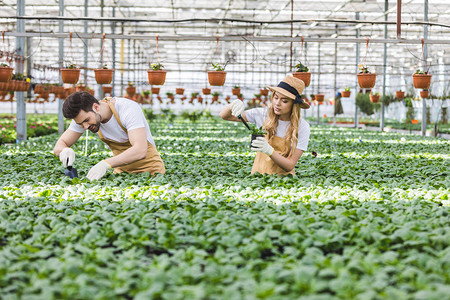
x=264, y=92
x=156, y=75
x=217, y=78
x=399, y=94
x=304, y=76
x=155, y=90
x=374, y=98
x=346, y=93
x=5, y=73
x=206, y=91
x=179, y=91
x=367, y=80
x=424, y=94
x=38, y=88
x=70, y=75
x=236, y=90
x=421, y=80
x=107, y=89
x=319, y=98
x=104, y=76
x=215, y=96
x=131, y=90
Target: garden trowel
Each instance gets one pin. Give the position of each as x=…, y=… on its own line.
x=70, y=171
x=243, y=121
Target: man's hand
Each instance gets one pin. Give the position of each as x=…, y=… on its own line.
x=237, y=107
x=262, y=145
x=67, y=157
x=98, y=171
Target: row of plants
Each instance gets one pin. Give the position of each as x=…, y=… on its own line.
x=36, y=126
x=366, y=217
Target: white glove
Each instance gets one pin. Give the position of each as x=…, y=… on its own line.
x=237, y=107
x=98, y=171
x=262, y=145
x=67, y=157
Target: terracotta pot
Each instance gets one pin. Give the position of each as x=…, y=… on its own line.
x=156, y=77
x=374, y=98
x=236, y=92
x=155, y=90
x=319, y=97
x=304, y=76
x=217, y=78
x=103, y=76
x=346, y=94
x=367, y=80
x=5, y=74
x=215, y=98
x=131, y=90
x=264, y=92
x=424, y=94
x=206, y=91
x=107, y=89
x=179, y=91
x=421, y=81
x=70, y=75
x=399, y=94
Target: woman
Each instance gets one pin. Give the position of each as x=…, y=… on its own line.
x=287, y=134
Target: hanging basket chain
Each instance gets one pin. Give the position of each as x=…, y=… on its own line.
x=157, y=51
x=102, y=51
x=425, y=69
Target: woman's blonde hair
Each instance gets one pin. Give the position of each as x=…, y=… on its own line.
x=271, y=124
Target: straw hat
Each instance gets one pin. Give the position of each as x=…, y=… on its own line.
x=292, y=88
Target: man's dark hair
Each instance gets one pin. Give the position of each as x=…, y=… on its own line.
x=76, y=102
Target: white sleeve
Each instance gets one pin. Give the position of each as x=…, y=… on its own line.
x=131, y=115
x=256, y=116
x=304, y=132
x=75, y=127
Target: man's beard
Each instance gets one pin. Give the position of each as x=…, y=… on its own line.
x=96, y=127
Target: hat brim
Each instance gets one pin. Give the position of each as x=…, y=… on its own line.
x=282, y=91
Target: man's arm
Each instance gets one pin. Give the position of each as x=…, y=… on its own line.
x=137, y=151
x=67, y=139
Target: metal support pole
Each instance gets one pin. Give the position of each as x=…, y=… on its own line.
x=113, y=43
x=425, y=54
x=100, y=86
x=318, y=83
x=357, y=70
x=21, y=112
x=29, y=61
x=61, y=57
x=335, y=80
x=386, y=7
x=85, y=47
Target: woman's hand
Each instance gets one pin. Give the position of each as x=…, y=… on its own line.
x=262, y=145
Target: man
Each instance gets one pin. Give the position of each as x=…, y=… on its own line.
x=121, y=124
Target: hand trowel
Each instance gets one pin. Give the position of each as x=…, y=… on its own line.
x=71, y=171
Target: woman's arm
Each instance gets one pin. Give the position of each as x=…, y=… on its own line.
x=286, y=163
x=227, y=115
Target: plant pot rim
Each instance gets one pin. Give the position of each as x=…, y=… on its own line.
x=367, y=74
x=97, y=70
x=157, y=71
x=422, y=75
x=301, y=72
x=222, y=72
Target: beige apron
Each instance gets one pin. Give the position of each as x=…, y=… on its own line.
x=264, y=164
x=152, y=163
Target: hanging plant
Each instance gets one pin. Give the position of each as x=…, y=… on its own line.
x=104, y=75
x=319, y=98
x=107, y=89
x=425, y=94
x=264, y=92
x=421, y=78
x=218, y=75
x=70, y=74
x=236, y=90
x=374, y=97
x=399, y=94
x=131, y=89
x=179, y=91
x=155, y=90
x=5, y=72
x=156, y=74
x=206, y=91
x=366, y=79
x=346, y=93
x=302, y=73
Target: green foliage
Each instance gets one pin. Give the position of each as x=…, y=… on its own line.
x=105, y=66
x=257, y=130
x=156, y=66
x=301, y=68
x=364, y=104
x=70, y=66
x=363, y=69
x=347, y=89
x=3, y=65
x=149, y=114
x=368, y=218
x=420, y=71
x=217, y=67
x=215, y=94
x=236, y=87
x=387, y=99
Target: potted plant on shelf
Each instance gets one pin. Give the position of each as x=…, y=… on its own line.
x=400, y=94
x=346, y=92
x=217, y=76
x=421, y=79
x=156, y=74
x=425, y=93
x=179, y=91
x=131, y=89
x=236, y=90
x=302, y=73
x=5, y=72
x=215, y=96
x=374, y=97
x=104, y=75
x=70, y=74
x=366, y=80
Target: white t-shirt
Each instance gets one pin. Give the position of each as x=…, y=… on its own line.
x=131, y=116
x=259, y=115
